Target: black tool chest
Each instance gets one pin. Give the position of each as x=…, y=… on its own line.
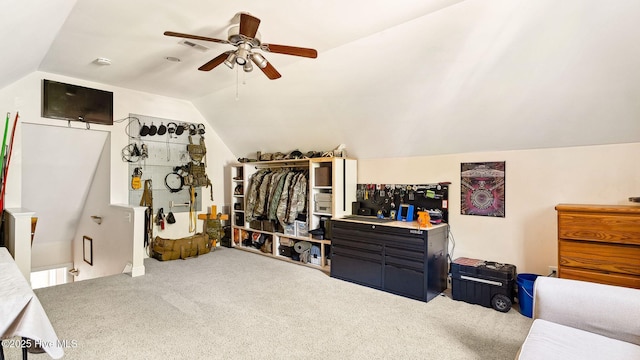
x=485, y=283
x=406, y=261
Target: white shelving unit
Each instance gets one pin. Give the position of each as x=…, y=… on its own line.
x=340, y=190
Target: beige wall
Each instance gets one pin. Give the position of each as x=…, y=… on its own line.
x=536, y=180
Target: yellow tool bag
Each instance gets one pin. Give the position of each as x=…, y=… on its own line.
x=172, y=249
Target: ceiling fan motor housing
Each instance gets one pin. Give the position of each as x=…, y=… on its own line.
x=236, y=38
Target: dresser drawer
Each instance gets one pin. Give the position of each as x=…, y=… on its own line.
x=611, y=228
x=600, y=277
x=623, y=259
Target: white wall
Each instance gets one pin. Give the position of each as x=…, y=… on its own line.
x=475, y=76
x=25, y=96
x=111, y=239
x=58, y=167
x=536, y=181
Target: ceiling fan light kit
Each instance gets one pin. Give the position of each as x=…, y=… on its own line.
x=242, y=54
x=246, y=38
x=231, y=60
x=259, y=60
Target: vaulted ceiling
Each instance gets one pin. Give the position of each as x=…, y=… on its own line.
x=391, y=79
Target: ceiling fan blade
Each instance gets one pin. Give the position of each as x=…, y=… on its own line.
x=214, y=62
x=249, y=25
x=195, y=37
x=290, y=50
x=269, y=70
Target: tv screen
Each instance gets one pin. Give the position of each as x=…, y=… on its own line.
x=76, y=103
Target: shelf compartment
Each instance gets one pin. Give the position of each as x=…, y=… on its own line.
x=304, y=238
x=341, y=191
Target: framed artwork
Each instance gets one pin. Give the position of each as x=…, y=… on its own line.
x=87, y=249
x=482, y=189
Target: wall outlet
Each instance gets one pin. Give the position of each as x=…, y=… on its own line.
x=553, y=271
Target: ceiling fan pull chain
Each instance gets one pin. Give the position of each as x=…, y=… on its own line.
x=237, y=84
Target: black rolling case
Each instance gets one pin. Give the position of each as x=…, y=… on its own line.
x=485, y=283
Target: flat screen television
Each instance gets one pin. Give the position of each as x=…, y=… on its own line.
x=76, y=103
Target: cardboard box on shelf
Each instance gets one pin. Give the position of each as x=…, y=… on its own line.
x=322, y=197
x=323, y=176
x=322, y=206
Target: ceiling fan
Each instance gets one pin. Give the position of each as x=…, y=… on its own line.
x=247, y=40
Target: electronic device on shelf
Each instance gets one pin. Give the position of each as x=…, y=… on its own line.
x=405, y=212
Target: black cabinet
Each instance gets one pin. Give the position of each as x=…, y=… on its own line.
x=398, y=259
x=356, y=257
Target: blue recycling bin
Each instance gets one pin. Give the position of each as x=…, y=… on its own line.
x=525, y=293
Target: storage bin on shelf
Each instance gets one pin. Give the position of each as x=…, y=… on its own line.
x=289, y=229
x=322, y=202
x=302, y=228
x=315, y=257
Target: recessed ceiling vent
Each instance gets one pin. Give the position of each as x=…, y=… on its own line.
x=194, y=45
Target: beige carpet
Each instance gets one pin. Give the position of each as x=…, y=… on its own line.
x=231, y=304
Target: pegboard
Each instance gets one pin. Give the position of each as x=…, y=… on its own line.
x=387, y=197
x=165, y=152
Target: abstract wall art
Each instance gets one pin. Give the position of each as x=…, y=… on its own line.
x=482, y=189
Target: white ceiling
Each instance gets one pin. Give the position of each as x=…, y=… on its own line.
x=392, y=78
x=130, y=33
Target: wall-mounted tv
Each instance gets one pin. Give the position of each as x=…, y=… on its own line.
x=76, y=103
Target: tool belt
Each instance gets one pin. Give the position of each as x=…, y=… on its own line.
x=172, y=249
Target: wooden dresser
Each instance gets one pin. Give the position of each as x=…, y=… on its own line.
x=599, y=243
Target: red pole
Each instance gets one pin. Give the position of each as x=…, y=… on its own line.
x=6, y=169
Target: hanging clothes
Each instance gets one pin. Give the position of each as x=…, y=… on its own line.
x=275, y=196
x=263, y=194
x=284, y=199
x=297, y=198
x=279, y=194
x=252, y=195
